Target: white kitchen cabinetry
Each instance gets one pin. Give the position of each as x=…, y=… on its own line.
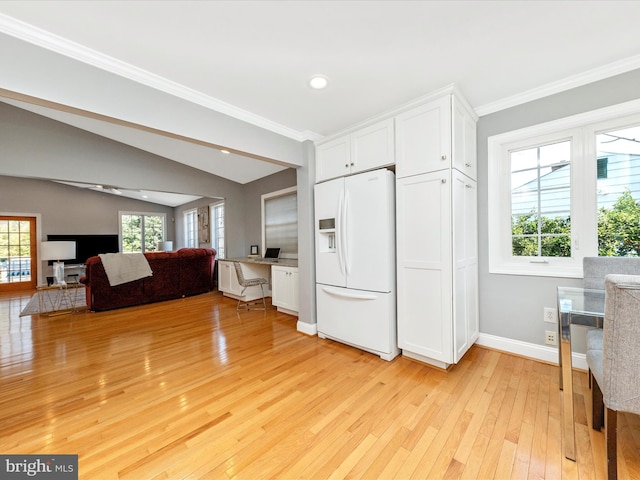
x=284, y=287
x=366, y=149
x=436, y=228
x=438, y=135
x=228, y=280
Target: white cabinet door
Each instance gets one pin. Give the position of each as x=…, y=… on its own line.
x=464, y=141
x=465, y=257
x=366, y=149
x=424, y=265
x=333, y=159
x=284, y=288
x=223, y=276
x=423, y=138
x=227, y=278
x=372, y=147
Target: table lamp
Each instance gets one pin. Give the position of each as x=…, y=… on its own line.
x=166, y=246
x=58, y=251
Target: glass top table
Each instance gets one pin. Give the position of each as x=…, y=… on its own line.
x=576, y=306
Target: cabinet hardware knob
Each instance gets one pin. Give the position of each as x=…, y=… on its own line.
x=352, y=164
x=468, y=165
x=346, y=165
x=443, y=157
x=468, y=186
x=443, y=180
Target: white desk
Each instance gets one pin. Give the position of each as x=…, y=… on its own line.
x=282, y=287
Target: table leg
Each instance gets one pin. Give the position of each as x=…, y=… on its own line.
x=566, y=384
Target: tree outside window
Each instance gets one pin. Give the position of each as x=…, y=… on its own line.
x=141, y=232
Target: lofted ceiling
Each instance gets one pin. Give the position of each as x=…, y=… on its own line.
x=251, y=60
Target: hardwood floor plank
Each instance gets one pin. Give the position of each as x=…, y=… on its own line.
x=189, y=388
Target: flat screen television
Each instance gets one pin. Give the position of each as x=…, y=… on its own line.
x=88, y=245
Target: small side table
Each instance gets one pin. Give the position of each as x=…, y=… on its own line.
x=57, y=299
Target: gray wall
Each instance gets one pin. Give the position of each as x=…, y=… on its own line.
x=34, y=146
x=70, y=210
x=511, y=306
x=253, y=192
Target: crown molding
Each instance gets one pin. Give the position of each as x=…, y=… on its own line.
x=39, y=37
x=590, y=76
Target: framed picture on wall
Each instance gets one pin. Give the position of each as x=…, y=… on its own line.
x=254, y=250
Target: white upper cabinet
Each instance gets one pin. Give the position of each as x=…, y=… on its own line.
x=366, y=149
x=423, y=138
x=438, y=135
x=464, y=140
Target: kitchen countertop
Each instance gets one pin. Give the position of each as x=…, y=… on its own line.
x=283, y=262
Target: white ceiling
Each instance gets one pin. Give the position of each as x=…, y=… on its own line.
x=253, y=59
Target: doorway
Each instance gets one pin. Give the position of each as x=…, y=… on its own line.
x=18, y=253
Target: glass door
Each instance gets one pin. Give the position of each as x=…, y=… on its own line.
x=18, y=253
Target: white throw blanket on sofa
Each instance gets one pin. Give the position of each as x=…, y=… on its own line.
x=125, y=267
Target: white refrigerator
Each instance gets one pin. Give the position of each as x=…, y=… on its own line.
x=355, y=261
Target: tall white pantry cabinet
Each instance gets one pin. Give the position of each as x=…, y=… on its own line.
x=436, y=228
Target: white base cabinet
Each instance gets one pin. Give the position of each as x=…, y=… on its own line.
x=284, y=288
x=228, y=280
x=436, y=228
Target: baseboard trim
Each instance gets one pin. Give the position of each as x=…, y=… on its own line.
x=307, y=328
x=530, y=350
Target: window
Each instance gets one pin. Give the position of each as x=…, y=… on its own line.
x=541, y=200
x=217, y=228
x=141, y=232
x=564, y=190
x=191, y=228
x=280, y=221
x=17, y=252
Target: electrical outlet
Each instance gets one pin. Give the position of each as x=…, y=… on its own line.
x=550, y=337
x=550, y=315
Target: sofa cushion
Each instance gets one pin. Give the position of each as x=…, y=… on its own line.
x=164, y=284
x=196, y=270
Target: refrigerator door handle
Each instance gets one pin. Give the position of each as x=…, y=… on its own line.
x=357, y=296
x=345, y=221
x=339, y=234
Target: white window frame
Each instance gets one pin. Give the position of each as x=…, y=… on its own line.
x=185, y=216
x=214, y=227
x=265, y=197
x=143, y=214
x=581, y=129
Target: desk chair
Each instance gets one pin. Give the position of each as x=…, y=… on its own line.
x=614, y=370
x=249, y=282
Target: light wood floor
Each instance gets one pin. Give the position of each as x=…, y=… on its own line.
x=190, y=389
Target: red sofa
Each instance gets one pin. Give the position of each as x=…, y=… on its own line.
x=189, y=271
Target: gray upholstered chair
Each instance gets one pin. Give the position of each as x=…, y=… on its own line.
x=246, y=283
x=615, y=369
x=594, y=270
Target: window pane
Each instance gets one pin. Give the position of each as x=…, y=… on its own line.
x=281, y=223
x=541, y=201
x=15, y=251
x=619, y=192
x=131, y=233
x=191, y=229
x=153, y=232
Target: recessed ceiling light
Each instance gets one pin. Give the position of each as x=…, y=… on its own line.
x=225, y=151
x=318, y=82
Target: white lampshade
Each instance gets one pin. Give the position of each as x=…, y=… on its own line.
x=166, y=246
x=57, y=250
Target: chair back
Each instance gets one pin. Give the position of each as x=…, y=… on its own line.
x=596, y=268
x=239, y=273
x=621, y=358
